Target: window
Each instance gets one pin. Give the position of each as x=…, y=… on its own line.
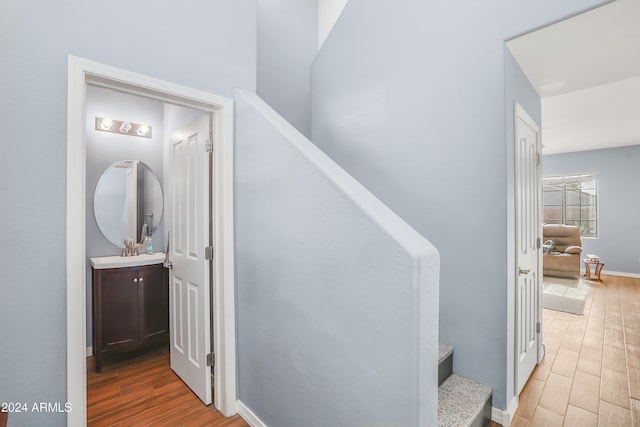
x=572, y=200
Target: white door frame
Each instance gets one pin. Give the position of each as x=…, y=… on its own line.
x=80, y=72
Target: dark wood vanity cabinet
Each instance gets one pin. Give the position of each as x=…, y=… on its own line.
x=130, y=309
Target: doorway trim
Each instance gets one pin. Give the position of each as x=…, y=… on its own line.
x=80, y=72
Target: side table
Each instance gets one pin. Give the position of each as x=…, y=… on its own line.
x=593, y=266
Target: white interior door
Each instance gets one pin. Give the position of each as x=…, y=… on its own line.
x=189, y=293
x=527, y=171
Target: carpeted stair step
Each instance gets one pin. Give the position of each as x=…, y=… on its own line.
x=463, y=403
x=445, y=362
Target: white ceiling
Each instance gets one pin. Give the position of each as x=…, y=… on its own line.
x=587, y=71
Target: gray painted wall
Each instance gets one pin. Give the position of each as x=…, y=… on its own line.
x=287, y=45
x=618, y=172
x=207, y=45
x=337, y=297
x=408, y=92
x=410, y=99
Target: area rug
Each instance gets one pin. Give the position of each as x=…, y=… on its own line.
x=566, y=295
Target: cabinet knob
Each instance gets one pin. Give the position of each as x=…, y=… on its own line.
x=140, y=279
x=135, y=280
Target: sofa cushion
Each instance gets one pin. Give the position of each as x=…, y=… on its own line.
x=567, y=262
x=562, y=235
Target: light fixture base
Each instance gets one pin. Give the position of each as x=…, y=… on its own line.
x=121, y=127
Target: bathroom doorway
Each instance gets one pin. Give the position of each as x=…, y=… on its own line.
x=86, y=79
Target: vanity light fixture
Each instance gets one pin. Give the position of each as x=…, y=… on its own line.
x=105, y=124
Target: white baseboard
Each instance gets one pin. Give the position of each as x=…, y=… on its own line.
x=620, y=273
x=499, y=416
x=583, y=273
x=505, y=417
x=89, y=351
x=248, y=415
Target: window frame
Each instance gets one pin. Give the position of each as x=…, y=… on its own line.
x=563, y=181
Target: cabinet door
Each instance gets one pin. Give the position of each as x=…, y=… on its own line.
x=154, y=309
x=119, y=300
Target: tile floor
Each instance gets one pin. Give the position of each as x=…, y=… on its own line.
x=590, y=375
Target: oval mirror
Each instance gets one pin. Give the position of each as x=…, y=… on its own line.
x=128, y=202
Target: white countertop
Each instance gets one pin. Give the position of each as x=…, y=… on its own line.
x=127, y=261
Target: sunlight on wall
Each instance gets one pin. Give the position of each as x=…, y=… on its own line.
x=328, y=13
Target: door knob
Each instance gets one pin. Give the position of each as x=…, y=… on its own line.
x=523, y=271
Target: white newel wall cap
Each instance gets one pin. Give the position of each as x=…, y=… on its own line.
x=413, y=242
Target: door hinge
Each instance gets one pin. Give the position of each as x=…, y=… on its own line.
x=538, y=327
x=208, y=146
x=537, y=159
x=538, y=242
x=208, y=253
x=211, y=359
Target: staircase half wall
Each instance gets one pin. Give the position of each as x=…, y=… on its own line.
x=337, y=297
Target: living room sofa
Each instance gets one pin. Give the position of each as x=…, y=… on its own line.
x=565, y=262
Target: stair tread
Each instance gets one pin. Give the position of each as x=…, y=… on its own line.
x=444, y=350
x=460, y=400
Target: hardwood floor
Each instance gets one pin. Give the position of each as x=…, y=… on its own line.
x=590, y=375
x=145, y=391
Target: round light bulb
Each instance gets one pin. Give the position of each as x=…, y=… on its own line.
x=143, y=130
x=106, y=124
x=125, y=127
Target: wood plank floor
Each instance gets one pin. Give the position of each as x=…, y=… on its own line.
x=145, y=391
x=590, y=375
